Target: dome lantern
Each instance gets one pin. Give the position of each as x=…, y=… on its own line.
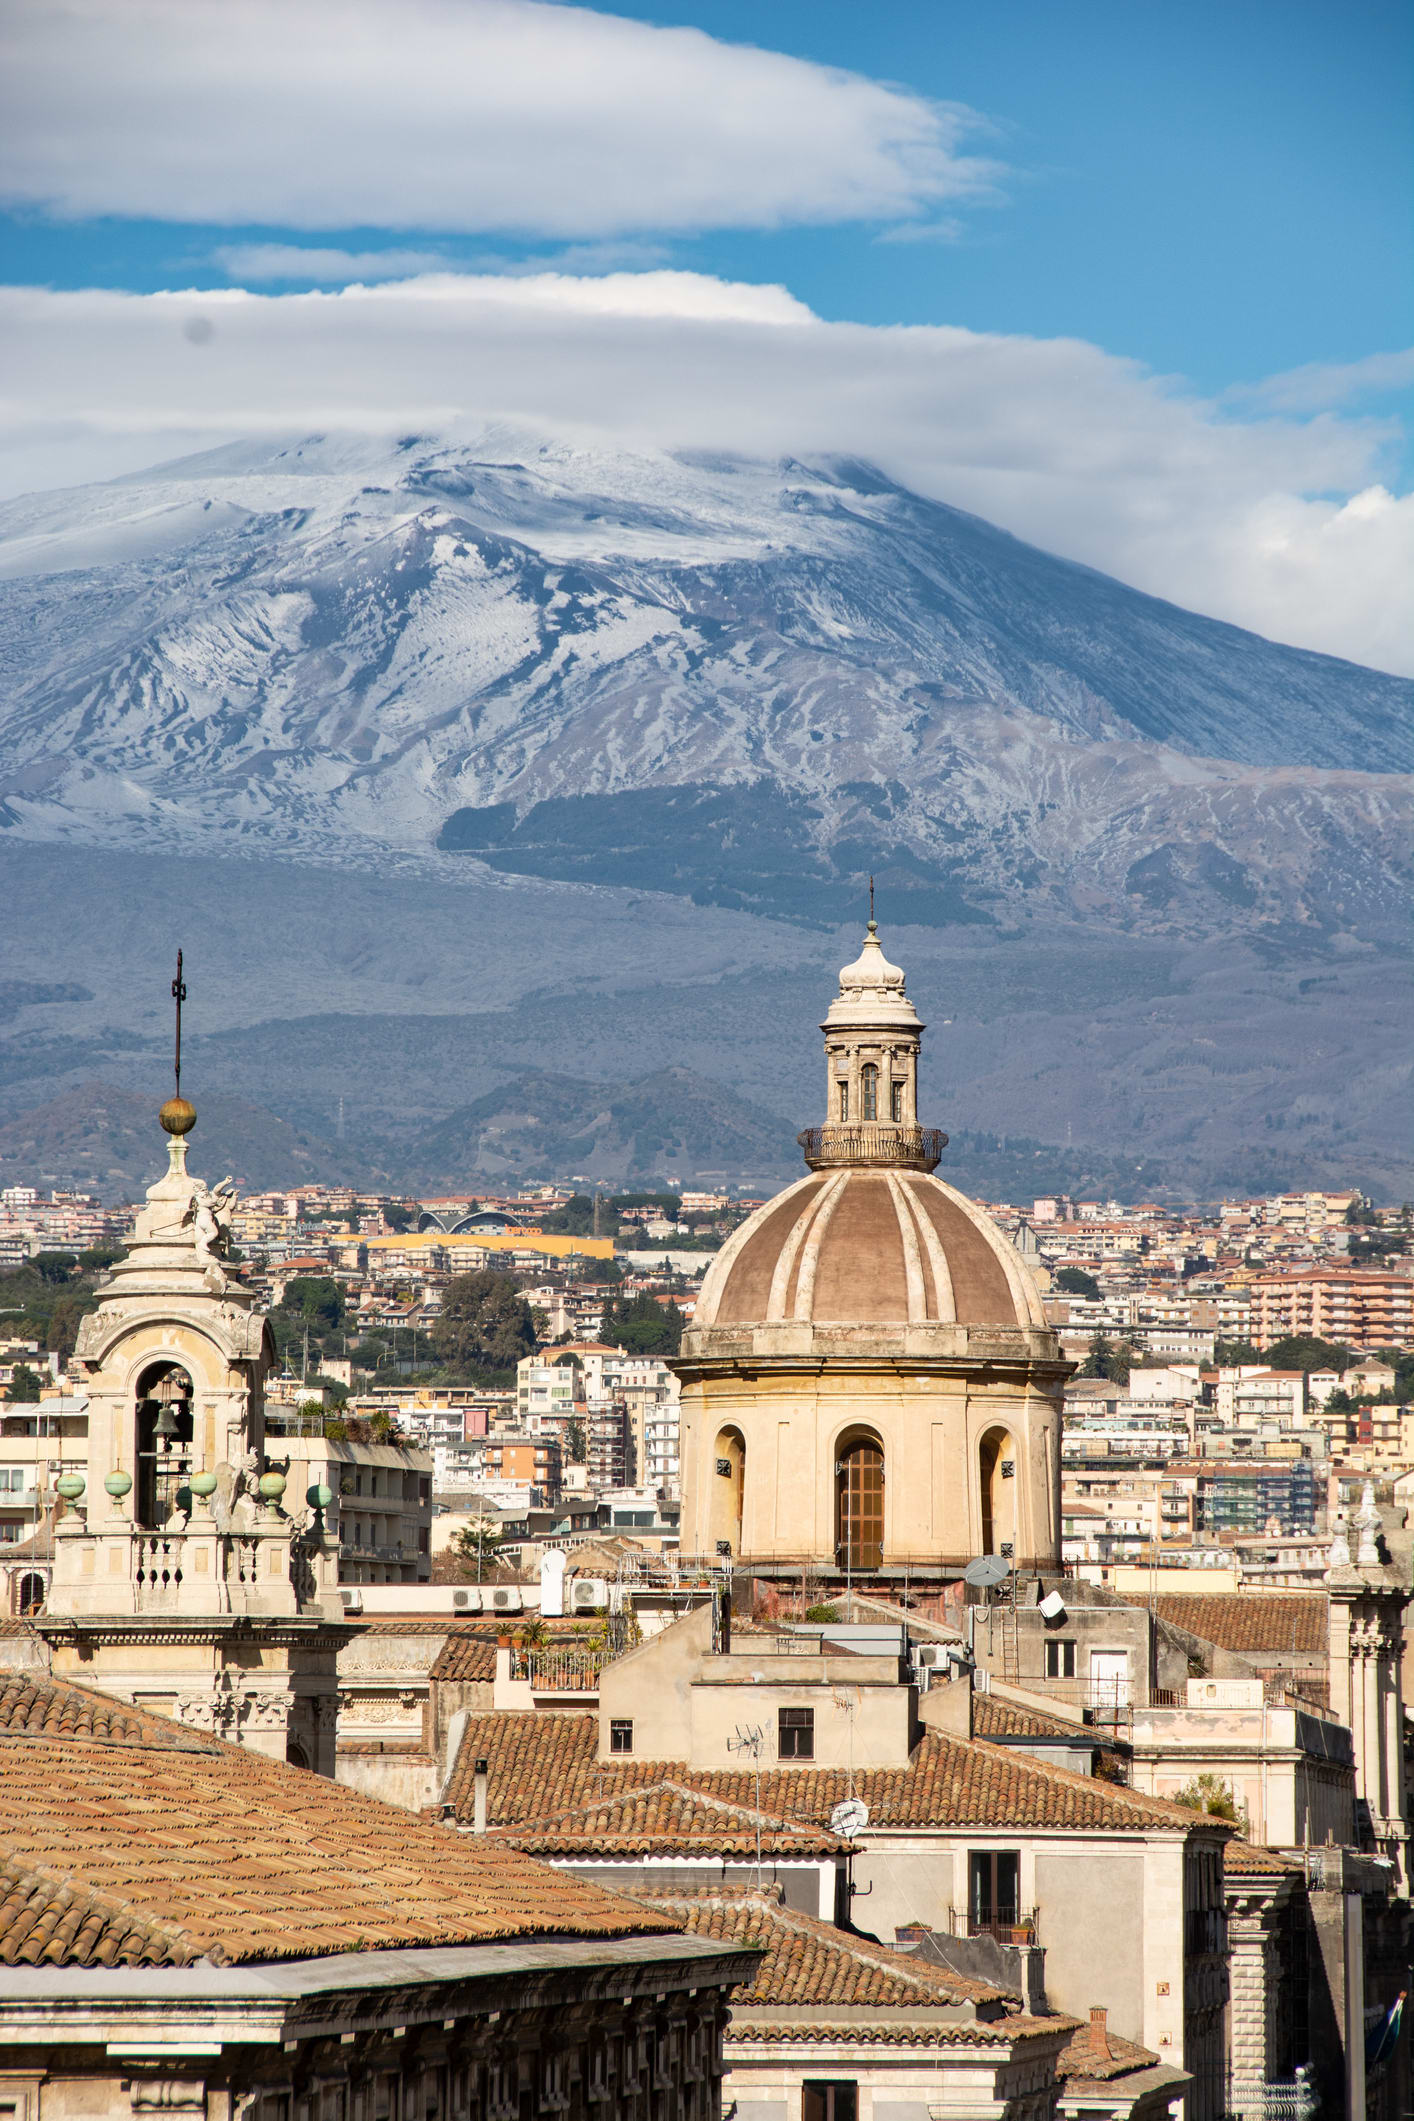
x=872, y=1036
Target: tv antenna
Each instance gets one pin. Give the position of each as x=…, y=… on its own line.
x=752, y=1741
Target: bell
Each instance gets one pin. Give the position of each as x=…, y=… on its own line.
x=166, y=1426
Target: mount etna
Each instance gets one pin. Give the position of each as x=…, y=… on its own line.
x=521, y=795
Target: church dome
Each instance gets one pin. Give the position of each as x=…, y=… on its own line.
x=865, y=1245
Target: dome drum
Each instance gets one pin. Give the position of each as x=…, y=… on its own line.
x=906, y=1148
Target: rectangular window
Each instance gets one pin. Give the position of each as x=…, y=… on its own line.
x=796, y=1734
x=896, y=1103
x=829, y=2099
x=621, y=1735
x=1060, y=1660
x=993, y=1890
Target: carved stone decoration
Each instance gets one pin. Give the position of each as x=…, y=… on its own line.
x=167, y=2095
x=267, y=1712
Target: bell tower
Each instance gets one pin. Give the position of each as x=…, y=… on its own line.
x=181, y=1580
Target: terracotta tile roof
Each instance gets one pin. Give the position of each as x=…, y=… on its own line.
x=1249, y=1858
x=811, y=1965
x=469, y=1654
x=47, y=1920
x=1251, y=1621
x=667, y=1818
x=1081, y=2061
x=899, y=2030
x=1001, y=1719
x=248, y=1859
x=540, y=1763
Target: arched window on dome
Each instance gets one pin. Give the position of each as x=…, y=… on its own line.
x=996, y=1469
x=844, y=1098
x=859, y=1503
x=896, y=1103
x=164, y=1443
x=869, y=1091
x=728, y=1491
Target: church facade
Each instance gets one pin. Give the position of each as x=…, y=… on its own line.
x=869, y=1384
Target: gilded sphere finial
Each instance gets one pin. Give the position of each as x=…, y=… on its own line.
x=177, y=1116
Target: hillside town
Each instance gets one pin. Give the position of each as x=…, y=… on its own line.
x=939, y=1657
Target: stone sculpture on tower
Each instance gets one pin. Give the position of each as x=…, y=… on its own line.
x=182, y=1581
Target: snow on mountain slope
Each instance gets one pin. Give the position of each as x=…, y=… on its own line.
x=581, y=663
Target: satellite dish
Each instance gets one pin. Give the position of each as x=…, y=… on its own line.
x=986, y=1572
x=849, y=1818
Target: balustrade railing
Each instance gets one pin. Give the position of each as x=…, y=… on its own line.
x=561, y=1671
x=872, y=1142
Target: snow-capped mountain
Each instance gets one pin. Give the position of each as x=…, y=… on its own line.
x=741, y=681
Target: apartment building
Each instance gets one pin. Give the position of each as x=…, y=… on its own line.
x=1348, y=1305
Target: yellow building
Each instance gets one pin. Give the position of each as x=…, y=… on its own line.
x=869, y=1383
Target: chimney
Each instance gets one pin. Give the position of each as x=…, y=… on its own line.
x=478, y=1815
x=1099, y=2038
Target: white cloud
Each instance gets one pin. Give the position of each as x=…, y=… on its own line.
x=1320, y=385
x=331, y=268
x=1280, y=524
x=505, y=116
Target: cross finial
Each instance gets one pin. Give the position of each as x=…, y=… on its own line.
x=179, y=995
x=872, y=922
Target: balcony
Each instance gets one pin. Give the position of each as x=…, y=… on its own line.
x=1009, y=1925
x=830, y=1147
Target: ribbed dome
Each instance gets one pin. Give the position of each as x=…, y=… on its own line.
x=864, y=1246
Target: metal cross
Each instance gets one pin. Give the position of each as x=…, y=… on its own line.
x=179, y=995
x=871, y=901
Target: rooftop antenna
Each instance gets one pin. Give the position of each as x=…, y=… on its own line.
x=179, y=995
x=751, y=1741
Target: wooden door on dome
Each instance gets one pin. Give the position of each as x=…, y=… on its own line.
x=861, y=1506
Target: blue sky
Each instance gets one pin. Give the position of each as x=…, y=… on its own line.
x=1131, y=280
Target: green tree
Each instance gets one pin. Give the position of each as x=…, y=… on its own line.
x=98, y=1258
x=1300, y=1351
x=575, y=1449
x=316, y=1300
x=642, y=1326
x=399, y=1215
x=55, y=1266
x=62, y=1331
x=1076, y=1282
x=477, y=1545
x=1110, y=1359
x=1237, y=1355
x=484, y=1323
x=23, y=1388
x=1211, y=1795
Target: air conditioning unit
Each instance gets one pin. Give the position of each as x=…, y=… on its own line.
x=505, y=1598
x=352, y=1601
x=930, y=1655
x=588, y=1594
x=466, y=1601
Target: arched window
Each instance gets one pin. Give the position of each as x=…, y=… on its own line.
x=728, y=1491
x=859, y=1504
x=869, y=1091
x=164, y=1440
x=996, y=1466
x=896, y=1103
x=31, y=1592
x=844, y=1099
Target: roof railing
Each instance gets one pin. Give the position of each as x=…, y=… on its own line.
x=829, y=1147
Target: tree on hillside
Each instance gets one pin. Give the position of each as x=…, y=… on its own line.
x=23, y=1388
x=642, y=1326
x=484, y=1323
x=1110, y=1359
x=316, y=1299
x=1237, y=1355
x=55, y=1266
x=1076, y=1282
x=1300, y=1351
